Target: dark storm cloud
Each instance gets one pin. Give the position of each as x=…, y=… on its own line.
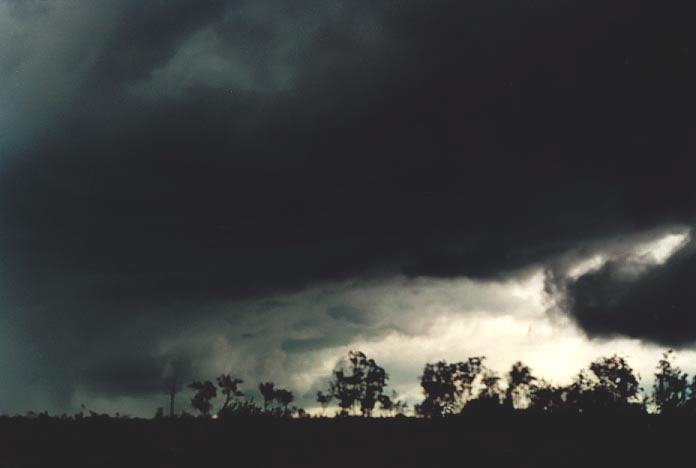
x=223, y=150
x=625, y=298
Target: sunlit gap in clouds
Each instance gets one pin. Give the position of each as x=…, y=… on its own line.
x=647, y=253
x=523, y=330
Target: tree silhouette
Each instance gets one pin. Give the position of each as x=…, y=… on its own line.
x=271, y=394
x=547, y=398
x=577, y=397
x=201, y=400
x=359, y=383
x=518, y=393
x=392, y=405
x=447, y=386
x=490, y=386
x=284, y=398
x=268, y=394
x=440, y=388
x=490, y=395
x=607, y=385
x=617, y=385
x=670, y=387
x=229, y=387
x=324, y=400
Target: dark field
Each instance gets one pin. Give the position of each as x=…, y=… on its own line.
x=510, y=441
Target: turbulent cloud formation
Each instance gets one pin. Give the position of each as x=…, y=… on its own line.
x=163, y=165
x=627, y=297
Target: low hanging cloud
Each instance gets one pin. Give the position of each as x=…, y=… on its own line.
x=628, y=296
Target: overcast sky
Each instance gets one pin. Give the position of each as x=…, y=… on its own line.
x=256, y=187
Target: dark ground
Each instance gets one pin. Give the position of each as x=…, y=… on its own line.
x=513, y=441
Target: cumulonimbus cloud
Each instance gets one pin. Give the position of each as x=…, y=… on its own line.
x=176, y=157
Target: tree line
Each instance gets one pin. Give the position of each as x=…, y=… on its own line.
x=358, y=387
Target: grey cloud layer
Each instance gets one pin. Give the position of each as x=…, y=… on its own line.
x=161, y=159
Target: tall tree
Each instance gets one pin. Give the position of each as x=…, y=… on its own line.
x=201, y=400
x=358, y=384
x=670, y=387
x=490, y=387
x=267, y=390
x=229, y=387
x=520, y=386
x=608, y=384
x=284, y=398
x=489, y=397
x=448, y=386
x=578, y=396
x=271, y=394
x=617, y=384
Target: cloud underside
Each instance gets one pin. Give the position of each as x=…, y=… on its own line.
x=167, y=166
